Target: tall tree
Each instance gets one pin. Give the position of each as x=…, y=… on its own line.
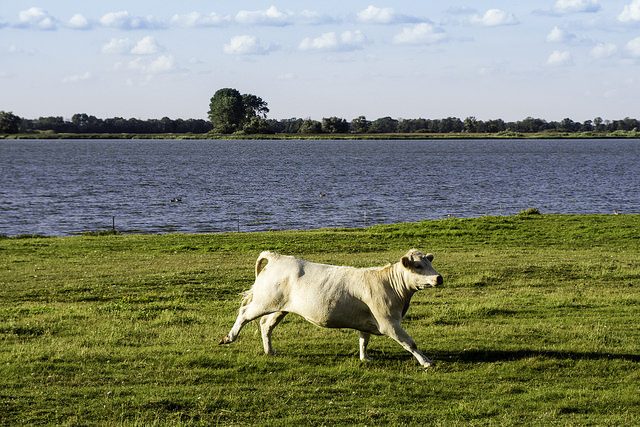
x=597, y=122
x=384, y=125
x=254, y=106
x=470, y=124
x=255, y=115
x=334, y=125
x=9, y=122
x=310, y=126
x=567, y=125
x=226, y=110
x=360, y=125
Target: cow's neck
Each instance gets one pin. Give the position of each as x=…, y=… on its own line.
x=397, y=283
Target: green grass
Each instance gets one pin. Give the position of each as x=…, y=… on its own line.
x=537, y=324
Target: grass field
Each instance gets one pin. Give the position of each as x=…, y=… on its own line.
x=536, y=324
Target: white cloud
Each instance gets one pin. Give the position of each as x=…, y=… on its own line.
x=146, y=46
x=196, y=19
x=325, y=41
x=423, y=33
x=386, y=15
x=314, y=18
x=117, y=46
x=77, y=78
x=36, y=18
x=270, y=16
x=558, y=35
x=115, y=19
x=79, y=22
x=631, y=12
x=160, y=65
x=603, y=50
x=246, y=45
x=346, y=41
x=124, y=21
x=495, y=18
x=559, y=58
x=570, y=6
x=633, y=47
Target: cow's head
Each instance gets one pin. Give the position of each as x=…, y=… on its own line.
x=419, y=272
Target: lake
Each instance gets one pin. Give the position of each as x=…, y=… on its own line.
x=53, y=187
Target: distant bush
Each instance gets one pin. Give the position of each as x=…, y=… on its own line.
x=530, y=211
x=98, y=233
x=510, y=134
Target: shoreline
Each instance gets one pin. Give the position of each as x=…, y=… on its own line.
x=526, y=214
x=350, y=137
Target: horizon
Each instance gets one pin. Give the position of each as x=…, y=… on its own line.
x=604, y=119
x=551, y=60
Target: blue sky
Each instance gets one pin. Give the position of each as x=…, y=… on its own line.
x=406, y=59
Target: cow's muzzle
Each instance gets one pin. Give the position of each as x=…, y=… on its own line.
x=432, y=283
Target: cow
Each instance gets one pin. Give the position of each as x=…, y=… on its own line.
x=369, y=300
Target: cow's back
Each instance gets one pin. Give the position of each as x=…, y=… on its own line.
x=326, y=295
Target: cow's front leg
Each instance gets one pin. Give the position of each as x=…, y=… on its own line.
x=395, y=331
x=364, y=341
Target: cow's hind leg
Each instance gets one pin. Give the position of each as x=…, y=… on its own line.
x=246, y=314
x=364, y=341
x=267, y=324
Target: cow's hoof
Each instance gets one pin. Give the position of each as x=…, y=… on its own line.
x=224, y=340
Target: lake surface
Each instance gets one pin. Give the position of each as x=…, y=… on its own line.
x=66, y=187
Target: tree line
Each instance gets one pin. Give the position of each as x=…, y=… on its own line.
x=361, y=125
x=84, y=123
x=231, y=112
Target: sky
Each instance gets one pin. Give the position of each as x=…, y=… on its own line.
x=548, y=59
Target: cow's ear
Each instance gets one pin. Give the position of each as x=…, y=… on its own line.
x=406, y=262
x=429, y=257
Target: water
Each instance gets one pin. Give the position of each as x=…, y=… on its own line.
x=66, y=187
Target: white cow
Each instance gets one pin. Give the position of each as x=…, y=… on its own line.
x=370, y=300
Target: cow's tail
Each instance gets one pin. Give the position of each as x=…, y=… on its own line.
x=261, y=263
x=263, y=260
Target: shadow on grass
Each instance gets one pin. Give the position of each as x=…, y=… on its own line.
x=478, y=356
x=492, y=356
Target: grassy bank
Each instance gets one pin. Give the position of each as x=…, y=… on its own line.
x=347, y=136
x=537, y=324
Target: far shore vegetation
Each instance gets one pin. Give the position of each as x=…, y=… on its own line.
x=233, y=115
x=347, y=136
